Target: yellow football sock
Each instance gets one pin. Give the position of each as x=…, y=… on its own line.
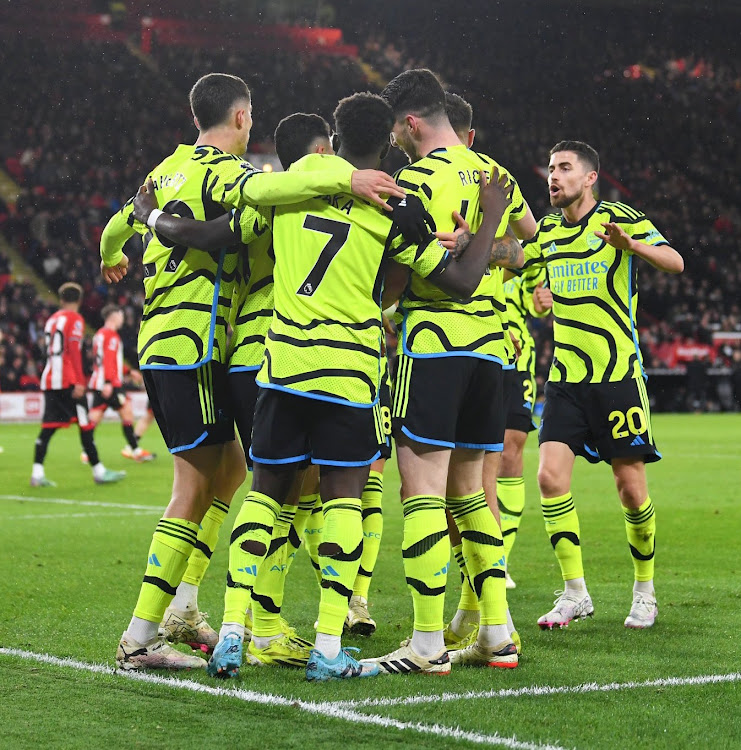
x=343, y=529
x=468, y=601
x=483, y=554
x=372, y=512
x=426, y=554
x=313, y=535
x=267, y=593
x=208, y=536
x=640, y=526
x=562, y=526
x=304, y=508
x=511, y=501
x=172, y=544
x=253, y=528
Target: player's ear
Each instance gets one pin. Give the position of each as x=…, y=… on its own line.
x=471, y=136
x=335, y=141
x=195, y=122
x=385, y=151
x=592, y=178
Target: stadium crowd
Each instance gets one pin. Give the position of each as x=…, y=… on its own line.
x=77, y=162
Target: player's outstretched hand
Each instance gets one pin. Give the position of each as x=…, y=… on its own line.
x=542, y=298
x=372, y=184
x=495, y=196
x=614, y=235
x=410, y=215
x=145, y=201
x=455, y=242
x=114, y=274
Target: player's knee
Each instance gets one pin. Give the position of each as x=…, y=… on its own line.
x=632, y=495
x=551, y=481
x=511, y=463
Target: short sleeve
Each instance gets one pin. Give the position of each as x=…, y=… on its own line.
x=249, y=223
x=422, y=259
x=533, y=253
x=643, y=230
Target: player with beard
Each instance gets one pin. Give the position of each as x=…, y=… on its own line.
x=596, y=402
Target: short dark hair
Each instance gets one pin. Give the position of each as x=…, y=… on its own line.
x=108, y=310
x=213, y=95
x=363, y=123
x=416, y=91
x=460, y=112
x=583, y=150
x=294, y=135
x=70, y=292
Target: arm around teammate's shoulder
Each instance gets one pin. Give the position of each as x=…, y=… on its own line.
x=204, y=235
x=460, y=278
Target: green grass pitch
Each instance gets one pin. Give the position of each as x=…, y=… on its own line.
x=71, y=559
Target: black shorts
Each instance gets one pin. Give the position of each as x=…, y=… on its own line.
x=192, y=407
x=600, y=421
x=453, y=402
x=116, y=401
x=61, y=409
x=384, y=397
x=292, y=429
x=519, y=399
x=243, y=391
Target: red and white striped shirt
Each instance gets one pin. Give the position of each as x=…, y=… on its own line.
x=108, y=354
x=63, y=341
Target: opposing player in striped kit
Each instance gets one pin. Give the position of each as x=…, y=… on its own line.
x=106, y=381
x=63, y=384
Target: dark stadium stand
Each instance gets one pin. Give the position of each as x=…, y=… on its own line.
x=96, y=116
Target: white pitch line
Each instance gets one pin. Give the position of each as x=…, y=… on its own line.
x=86, y=503
x=538, y=690
x=330, y=710
x=42, y=516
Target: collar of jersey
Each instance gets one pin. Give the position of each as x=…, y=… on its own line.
x=443, y=149
x=584, y=219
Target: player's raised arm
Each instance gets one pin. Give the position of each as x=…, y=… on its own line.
x=203, y=235
x=256, y=188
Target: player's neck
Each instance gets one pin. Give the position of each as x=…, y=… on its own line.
x=359, y=162
x=442, y=136
x=579, y=208
x=69, y=308
x=219, y=138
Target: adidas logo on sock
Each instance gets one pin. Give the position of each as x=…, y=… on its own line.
x=330, y=571
x=250, y=570
x=154, y=561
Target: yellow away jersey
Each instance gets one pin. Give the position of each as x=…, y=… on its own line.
x=434, y=324
x=518, y=292
x=253, y=301
x=594, y=293
x=325, y=337
x=188, y=291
